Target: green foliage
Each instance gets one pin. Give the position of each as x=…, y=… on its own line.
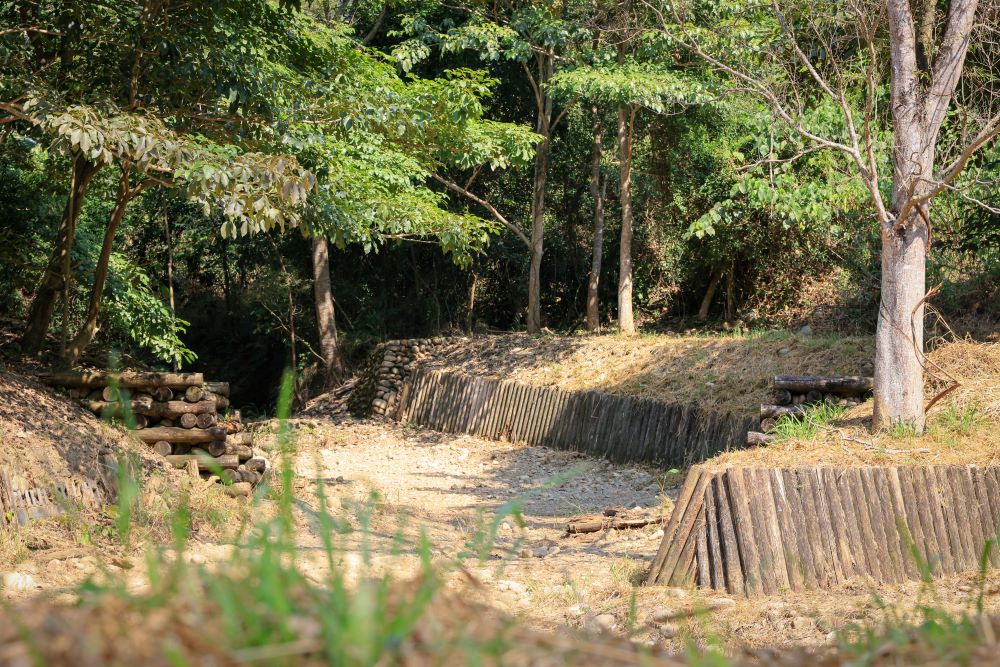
x=653, y=85
x=816, y=418
x=136, y=311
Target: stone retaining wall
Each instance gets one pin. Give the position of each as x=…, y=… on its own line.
x=389, y=364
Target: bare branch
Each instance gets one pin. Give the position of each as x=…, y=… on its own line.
x=454, y=187
x=987, y=134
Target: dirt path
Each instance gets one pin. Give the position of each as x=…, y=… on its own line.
x=449, y=486
x=452, y=486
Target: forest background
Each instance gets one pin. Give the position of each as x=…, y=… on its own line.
x=490, y=166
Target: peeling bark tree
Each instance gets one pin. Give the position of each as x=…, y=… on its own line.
x=925, y=73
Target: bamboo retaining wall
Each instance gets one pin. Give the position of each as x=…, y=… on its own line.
x=19, y=503
x=753, y=531
x=619, y=428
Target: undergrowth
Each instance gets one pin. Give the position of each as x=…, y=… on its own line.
x=820, y=416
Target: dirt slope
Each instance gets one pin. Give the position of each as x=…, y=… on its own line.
x=730, y=373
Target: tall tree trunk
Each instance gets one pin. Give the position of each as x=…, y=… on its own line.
x=56, y=277
x=919, y=106
x=706, y=301
x=537, y=234
x=597, y=195
x=543, y=125
x=325, y=314
x=89, y=328
x=170, y=276
x=899, y=338
x=625, y=320
x=470, y=313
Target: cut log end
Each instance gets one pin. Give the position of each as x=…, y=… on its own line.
x=755, y=439
x=206, y=420
x=194, y=394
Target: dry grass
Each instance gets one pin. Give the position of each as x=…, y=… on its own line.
x=961, y=428
x=725, y=372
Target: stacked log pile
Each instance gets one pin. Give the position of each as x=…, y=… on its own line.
x=179, y=415
x=379, y=383
x=794, y=394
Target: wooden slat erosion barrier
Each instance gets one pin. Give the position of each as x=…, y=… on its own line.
x=620, y=428
x=19, y=503
x=752, y=531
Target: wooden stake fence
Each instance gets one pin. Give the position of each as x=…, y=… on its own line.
x=753, y=531
x=620, y=428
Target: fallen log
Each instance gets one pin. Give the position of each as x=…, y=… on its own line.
x=206, y=420
x=174, y=409
x=801, y=384
x=775, y=411
x=221, y=402
x=783, y=397
x=186, y=436
x=218, y=448
x=128, y=379
x=257, y=464
x=188, y=420
x=163, y=448
x=232, y=426
x=595, y=524
x=204, y=461
x=221, y=388
x=116, y=409
x=241, y=438
x=755, y=439
x=194, y=394
x=162, y=394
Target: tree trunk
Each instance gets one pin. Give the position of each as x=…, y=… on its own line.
x=537, y=232
x=325, y=314
x=470, y=313
x=731, y=293
x=899, y=339
x=597, y=194
x=706, y=301
x=170, y=280
x=543, y=126
x=625, y=320
x=55, y=279
x=89, y=329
